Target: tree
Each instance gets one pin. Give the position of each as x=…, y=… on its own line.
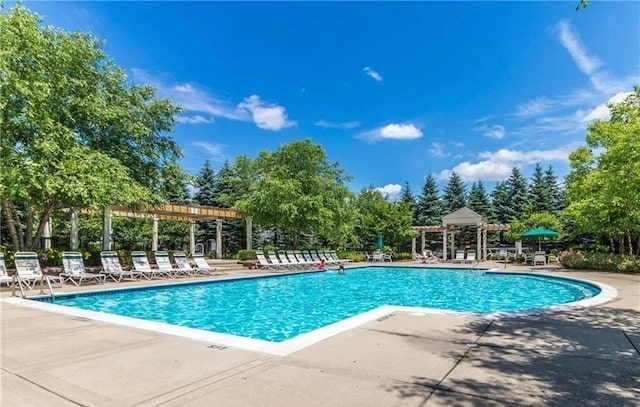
x=406, y=196
x=298, y=190
x=541, y=197
x=558, y=195
x=604, y=182
x=534, y=220
x=72, y=128
x=479, y=201
x=500, y=203
x=454, y=194
x=429, y=204
x=516, y=186
x=377, y=215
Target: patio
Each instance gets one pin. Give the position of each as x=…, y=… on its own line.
x=584, y=357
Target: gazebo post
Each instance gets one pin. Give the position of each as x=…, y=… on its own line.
x=249, y=234
x=478, y=241
x=154, y=242
x=192, y=236
x=444, y=244
x=413, y=245
x=422, y=242
x=218, y=238
x=484, y=244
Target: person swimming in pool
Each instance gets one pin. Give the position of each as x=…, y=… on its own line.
x=322, y=265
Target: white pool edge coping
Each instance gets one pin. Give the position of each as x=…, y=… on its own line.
x=284, y=348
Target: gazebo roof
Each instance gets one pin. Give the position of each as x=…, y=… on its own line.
x=463, y=216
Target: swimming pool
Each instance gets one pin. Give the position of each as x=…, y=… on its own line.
x=278, y=308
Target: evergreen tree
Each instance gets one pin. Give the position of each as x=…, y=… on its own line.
x=557, y=193
x=500, y=203
x=206, y=183
x=224, y=196
x=479, y=201
x=429, y=204
x=406, y=197
x=540, y=192
x=517, y=193
x=454, y=194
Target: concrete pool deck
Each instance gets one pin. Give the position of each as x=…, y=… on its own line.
x=585, y=356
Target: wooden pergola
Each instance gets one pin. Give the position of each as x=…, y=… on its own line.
x=461, y=217
x=167, y=211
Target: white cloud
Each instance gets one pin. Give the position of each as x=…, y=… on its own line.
x=196, y=119
x=265, y=115
x=373, y=74
x=496, y=131
x=392, y=131
x=437, y=150
x=190, y=97
x=570, y=40
x=392, y=191
x=534, y=107
x=601, y=112
x=332, y=125
x=497, y=165
x=213, y=150
x=482, y=119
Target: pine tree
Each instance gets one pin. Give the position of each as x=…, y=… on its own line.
x=429, y=204
x=557, y=194
x=540, y=192
x=454, y=194
x=406, y=197
x=224, y=196
x=500, y=203
x=205, y=182
x=517, y=193
x=479, y=201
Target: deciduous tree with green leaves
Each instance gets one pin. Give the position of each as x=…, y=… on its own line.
x=604, y=183
x=297, y=189
x=74, y=132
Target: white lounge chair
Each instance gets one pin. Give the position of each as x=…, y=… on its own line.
x=471, y=257
x=29, y=271
x=277, y=264
x=459, y=257
x=164, y=264
x=429, y=257
x=540, y=257
x=301, y=259
x=113, y=270
x=141, y=264
x=263, y=262
x=204, y=267
x=284, y=260
x=5, y=278
x=182, y=264
x=74, y=271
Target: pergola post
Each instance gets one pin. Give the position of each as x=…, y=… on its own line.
x=484, y=244
x=106, y=228
x=444, y=244
x=422, y=243
x=154, y=242
x=73, y=244
x=192, y=236
x=46, y=234
x=478, y=242
x=453, y=243
x=249, y=234
x=218, y=238
x=413, y=246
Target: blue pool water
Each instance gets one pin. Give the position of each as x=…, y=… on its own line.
x=281, y=307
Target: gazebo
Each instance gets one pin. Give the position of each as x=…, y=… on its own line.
x=461, y=217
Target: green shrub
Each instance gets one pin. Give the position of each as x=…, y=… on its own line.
x=246, y=254
x=599, y=261
x=402, y=256
x=350, y=255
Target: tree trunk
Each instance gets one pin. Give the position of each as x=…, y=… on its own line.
x=612, y=243
x=621, y=243
x=638, y=246
x=9, y=214
x=46, y=214
x=28, y=228
x=630, y=243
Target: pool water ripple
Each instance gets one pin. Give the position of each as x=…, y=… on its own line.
x=282, y=307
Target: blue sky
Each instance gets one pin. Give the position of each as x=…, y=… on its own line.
x=391, y=91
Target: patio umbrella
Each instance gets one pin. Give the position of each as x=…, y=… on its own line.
x=380, y=241
x=539, y=233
